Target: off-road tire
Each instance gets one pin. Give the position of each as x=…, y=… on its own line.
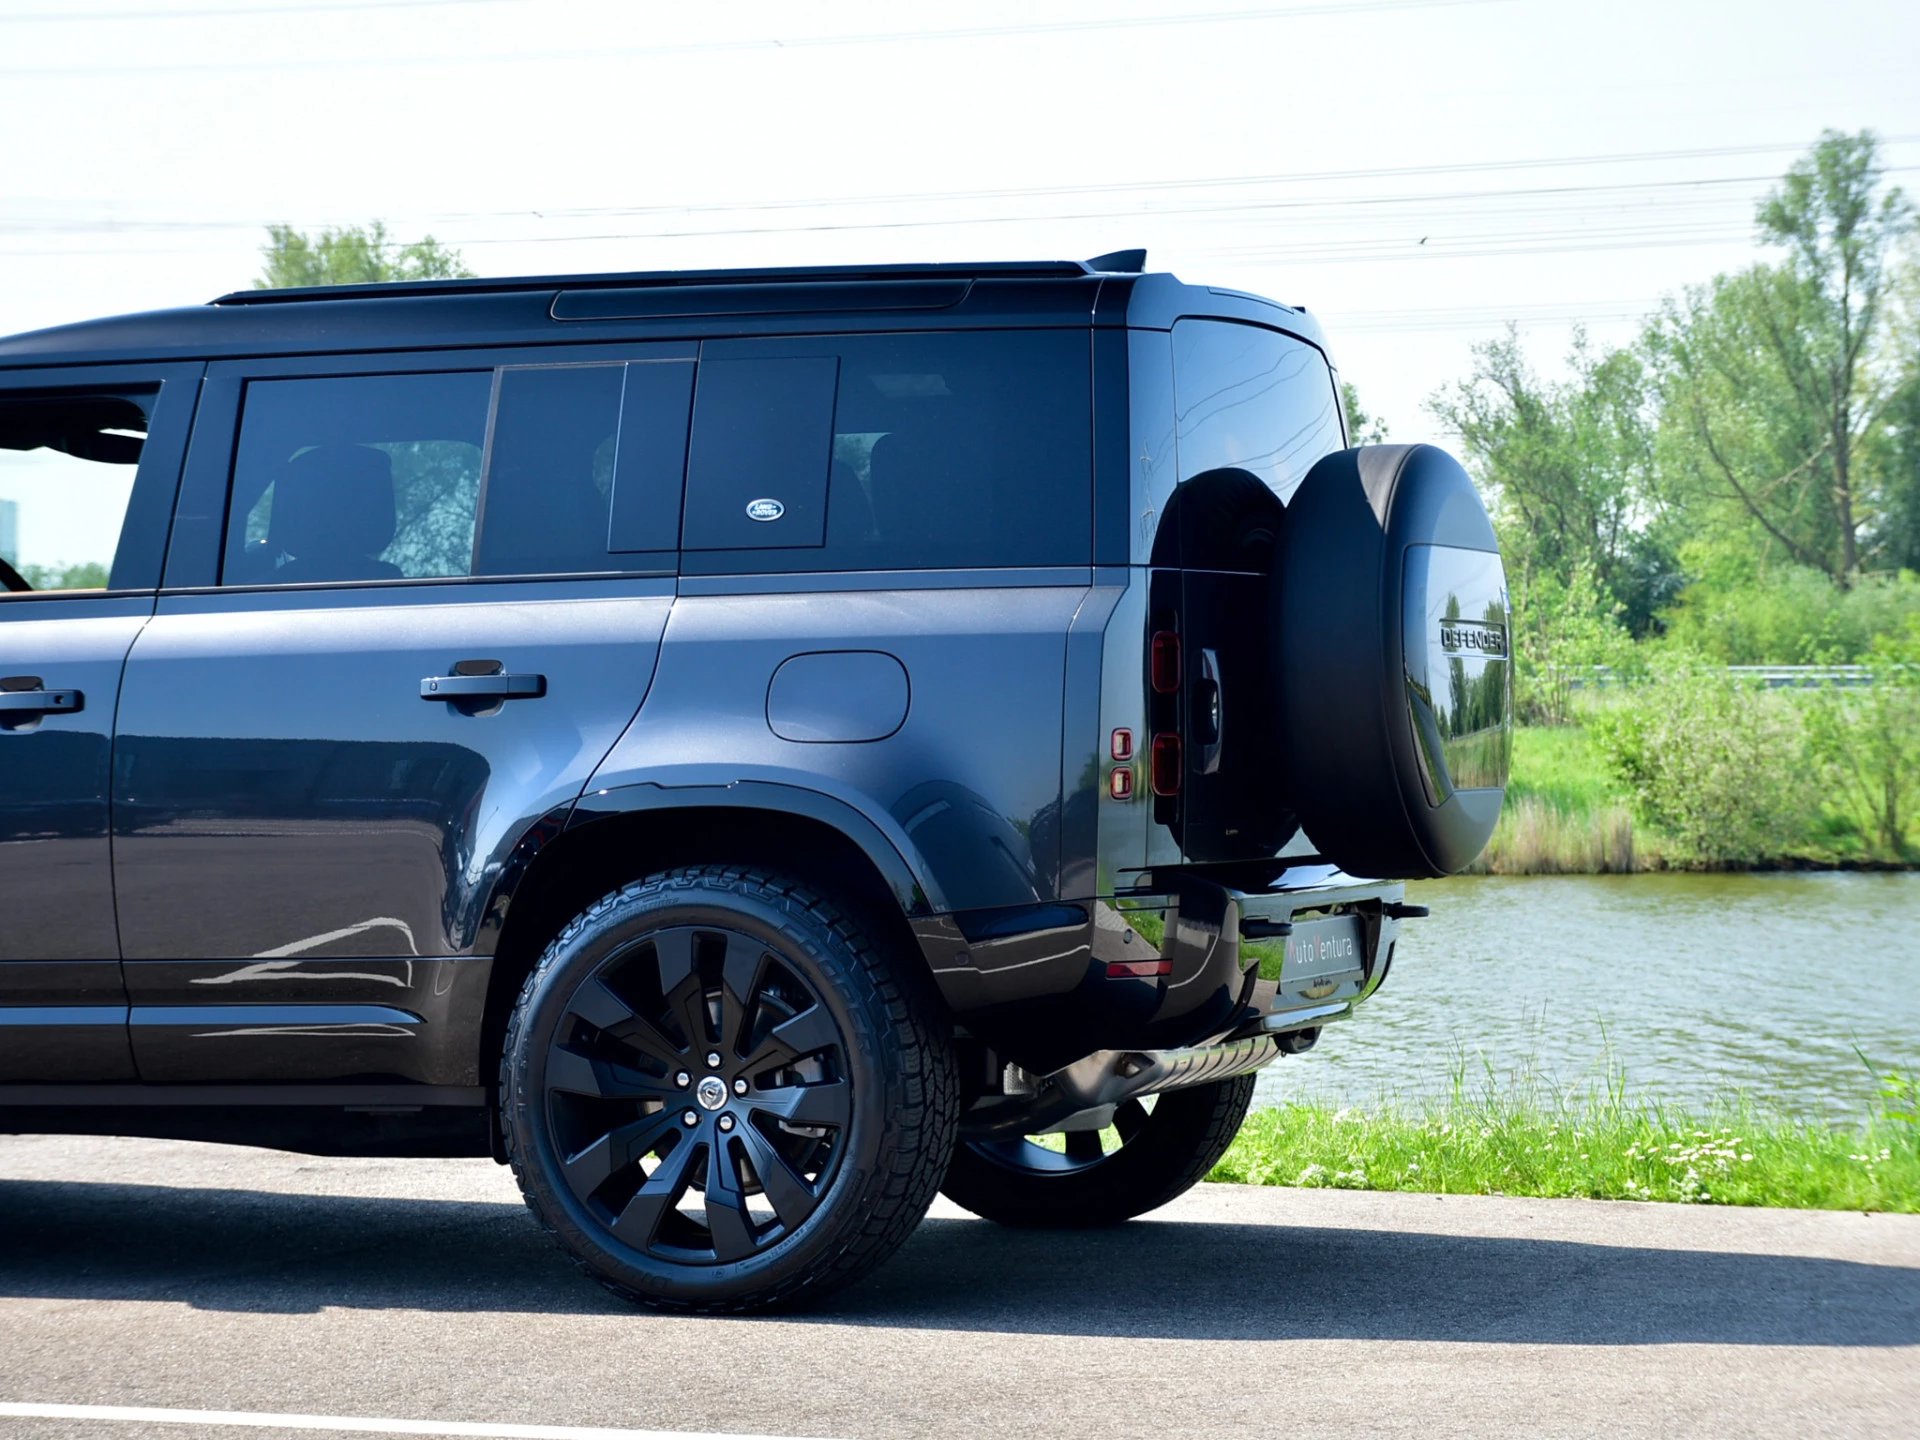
x=1184, y=1137
x=898, y=1049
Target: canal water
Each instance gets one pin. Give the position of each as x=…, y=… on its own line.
x=1696, y=987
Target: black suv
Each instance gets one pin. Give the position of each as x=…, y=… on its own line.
x=748, y=749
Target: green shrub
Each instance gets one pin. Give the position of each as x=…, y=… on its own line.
x=1562, y=628
x=1789, y=615
x=1719, y=765
x=1869, y=740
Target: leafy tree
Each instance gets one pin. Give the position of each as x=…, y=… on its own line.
x=1568, y=465
x=351, y=255
x=1779, y=383
x=88, y=576
x=1362, y=428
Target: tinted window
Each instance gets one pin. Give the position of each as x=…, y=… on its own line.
x=945, y=451
x=550, y=477
x=762, y=439
x=66, y=475
x=1251, y=399
x=371, y=477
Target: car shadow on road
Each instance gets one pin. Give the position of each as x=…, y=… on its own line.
x=245, y=1250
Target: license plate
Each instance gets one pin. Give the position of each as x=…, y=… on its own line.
x=1322, y=955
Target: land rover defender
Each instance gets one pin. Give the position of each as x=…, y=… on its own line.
x=750, y=749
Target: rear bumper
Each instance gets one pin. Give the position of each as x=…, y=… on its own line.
x=1189, y=962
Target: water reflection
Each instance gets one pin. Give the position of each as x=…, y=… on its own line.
x=1701, y=985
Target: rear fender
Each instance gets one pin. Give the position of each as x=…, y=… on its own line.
x=880, y=838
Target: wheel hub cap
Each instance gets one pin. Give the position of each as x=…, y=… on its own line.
x=711, y=1092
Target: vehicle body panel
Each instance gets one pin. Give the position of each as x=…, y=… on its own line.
x=62, y=1003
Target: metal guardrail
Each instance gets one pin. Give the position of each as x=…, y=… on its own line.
x=1774, y=677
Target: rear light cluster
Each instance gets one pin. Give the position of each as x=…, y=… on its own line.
x=1165, y=662
x=1166, y=764
x=1120, y=778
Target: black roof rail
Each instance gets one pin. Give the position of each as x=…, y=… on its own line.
x=799, y=274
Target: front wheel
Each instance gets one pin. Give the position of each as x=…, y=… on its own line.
x=1155, y=1149
x=719, y=1093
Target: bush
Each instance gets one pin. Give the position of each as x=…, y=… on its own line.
x=1718, y=764
x=1869, y=740
x=1789, y=615
x=1562, y=628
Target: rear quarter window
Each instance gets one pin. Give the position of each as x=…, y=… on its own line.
x=954, y=450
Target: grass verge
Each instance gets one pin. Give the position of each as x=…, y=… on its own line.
x=1599, y=1150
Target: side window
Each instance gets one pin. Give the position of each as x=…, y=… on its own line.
x=550, y=477
x=954, y=450
x=1251, y=399
x=67, y=465
x=364, y=477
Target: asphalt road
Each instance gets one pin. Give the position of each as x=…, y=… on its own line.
x=164, y=1276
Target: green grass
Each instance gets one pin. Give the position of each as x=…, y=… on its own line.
x=1566, y=813
x=1601, y=1149
x=1563, y=766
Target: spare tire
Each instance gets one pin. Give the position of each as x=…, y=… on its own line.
x=1393, y=692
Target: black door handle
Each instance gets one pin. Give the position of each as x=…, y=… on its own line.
x=483, y=687
x=30, y=699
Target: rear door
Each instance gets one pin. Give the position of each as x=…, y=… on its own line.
x=1254, y=410
x=410, y=604
x=89, y=459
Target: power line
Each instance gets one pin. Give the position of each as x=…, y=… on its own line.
x=1170, y=212
x=56, y=17
x=1044, y=192
x=1136, y=186
x=777, y=43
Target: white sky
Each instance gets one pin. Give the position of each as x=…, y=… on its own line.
x=1250, y=145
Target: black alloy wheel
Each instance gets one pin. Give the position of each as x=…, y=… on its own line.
x=677, y=1105
x=717, y=1093
x=1155, y=1148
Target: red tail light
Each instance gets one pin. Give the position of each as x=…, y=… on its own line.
x=1138, y=969
x=1165, y=665
x=1120, y=784
x=1166, y=764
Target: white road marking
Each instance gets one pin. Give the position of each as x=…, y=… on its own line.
x=354, y=1424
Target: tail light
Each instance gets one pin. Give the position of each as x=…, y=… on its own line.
x=1165, y=666
x=1166, y=764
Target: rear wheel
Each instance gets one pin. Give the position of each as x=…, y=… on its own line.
x=1156, y=1148
x=718, y=1094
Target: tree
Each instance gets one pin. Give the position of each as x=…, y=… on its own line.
x=1778, y=383
x=351, y=255
x=1568, y=466
x=1362, y=428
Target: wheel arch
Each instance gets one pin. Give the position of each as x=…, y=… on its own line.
x=616, y=836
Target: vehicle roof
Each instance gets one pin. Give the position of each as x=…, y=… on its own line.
x=655, y=305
